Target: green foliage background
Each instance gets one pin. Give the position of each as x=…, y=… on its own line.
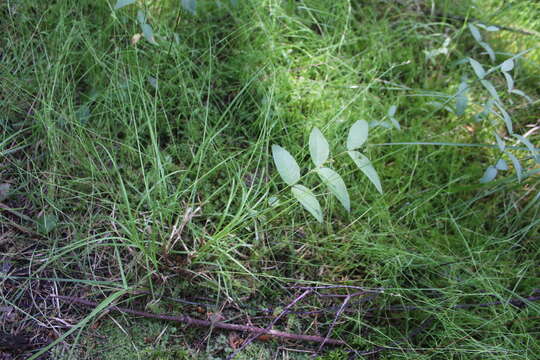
x=149, y=166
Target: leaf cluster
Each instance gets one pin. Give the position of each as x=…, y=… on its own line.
x=319, y=150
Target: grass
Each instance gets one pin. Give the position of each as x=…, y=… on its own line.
x=142, y=167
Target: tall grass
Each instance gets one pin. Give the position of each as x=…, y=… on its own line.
x=153, y=162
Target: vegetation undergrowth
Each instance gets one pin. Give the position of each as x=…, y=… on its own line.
x=136, y=167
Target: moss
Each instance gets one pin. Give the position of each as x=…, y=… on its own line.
x=133, y=339
x=156, y=340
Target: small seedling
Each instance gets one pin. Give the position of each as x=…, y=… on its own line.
x=319, y=150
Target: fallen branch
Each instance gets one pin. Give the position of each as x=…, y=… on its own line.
x=340, y=311
x=189, y=321
x=307, y=291
x=250, y=339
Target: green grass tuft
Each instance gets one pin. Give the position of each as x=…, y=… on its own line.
x=133, y=165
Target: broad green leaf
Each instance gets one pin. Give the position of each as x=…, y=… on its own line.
x=384, y=124
x=392, y=110
x=500, y=142
x=46, y=223
x=517, y=165
x=395, y=123
x=489, y=104
x=488, y=28
x=461, y=99
x=535, y=153
x=439, y=106
x=190, y=5
x=489, y=50
x=509, y=81
x=507, y=65
x=148, y=33
x=488, y=108
x=286, y=166
x=83, y=114
x=501, y=165
x=461, y=61
x=153, y=81
x=121, y=3
x=521, y=93
x=4, y=191
x=318, y=147
x=478, y=68
x=335, y=183
x=475, y=33
x=273, y=201
x=308, y=201
x=365, y=166
x=489, y=175
x=141, y=17
x=506, y=118
x=436, y=104
x=358, y=135
x=491, y=89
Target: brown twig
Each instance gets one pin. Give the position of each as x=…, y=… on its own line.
x=307, y=291
x=272, y=323
x=257, y=331
x=189, y=321
x=340, y=311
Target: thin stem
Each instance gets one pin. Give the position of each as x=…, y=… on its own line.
x=257, y=331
